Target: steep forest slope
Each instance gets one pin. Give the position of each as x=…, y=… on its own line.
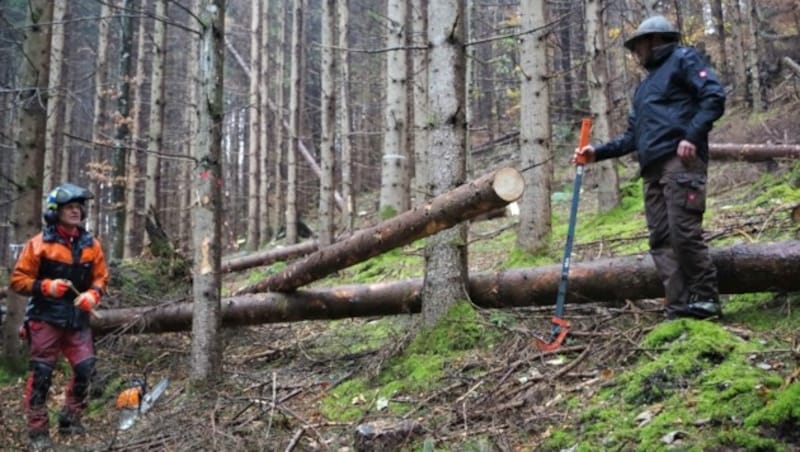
x=625, y=380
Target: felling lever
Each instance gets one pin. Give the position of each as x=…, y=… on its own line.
x=561, y=325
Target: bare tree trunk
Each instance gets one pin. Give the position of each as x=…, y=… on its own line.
x=394, y=165
x=279, y=111
x=751, y=53
x=344, y=121
x=155, y=138
x=30, y=132
x=487, y=193
x=268, y=211
x=295, y=103
x=605, y=172
x=419, y=21
x=446, y=252
x=133, y=232
x=255, y=147
x=99, y=118
x=717, y=14
x=326, y=229
x=743, y=268
x=207, y=207
x=535, y=150
x=53, y=147
x=122, y=143
x=753, y=152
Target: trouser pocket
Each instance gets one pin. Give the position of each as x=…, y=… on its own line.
x=691, y=191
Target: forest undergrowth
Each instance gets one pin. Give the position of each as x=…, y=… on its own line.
x=626, y=379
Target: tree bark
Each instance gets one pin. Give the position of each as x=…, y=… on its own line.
x=536, y=155
x=254, y=147
x=269, y=256
x=155, y=135
x=326, y=229
x=419, y=21
x=753, y=152
x=394, y=164
x=346, y=163
x=100, y=107
x=207, y=203
x=295, y=103
x=486, y=193
x=30, y=131
x=53, y=149
x=743, y=268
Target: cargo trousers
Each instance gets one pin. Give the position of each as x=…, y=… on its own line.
x=675, y=200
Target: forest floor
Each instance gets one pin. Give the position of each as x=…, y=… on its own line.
x=625, y=380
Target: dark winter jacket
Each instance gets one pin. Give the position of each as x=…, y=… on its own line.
x=680, y=99
x=48, y=256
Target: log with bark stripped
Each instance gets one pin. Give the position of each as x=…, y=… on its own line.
x=484, y=194
x=742, y=268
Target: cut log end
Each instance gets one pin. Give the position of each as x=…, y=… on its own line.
x=508, y=184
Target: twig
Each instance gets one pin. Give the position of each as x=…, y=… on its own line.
x=295, y=438
x=571, y=365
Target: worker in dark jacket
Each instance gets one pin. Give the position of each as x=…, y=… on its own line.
x=673, y=111
x=63, y=270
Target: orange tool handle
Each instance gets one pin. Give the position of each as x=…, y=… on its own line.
x=586, y=130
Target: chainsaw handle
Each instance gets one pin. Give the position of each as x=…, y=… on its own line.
x=583, y=140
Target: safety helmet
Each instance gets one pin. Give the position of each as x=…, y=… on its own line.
x=655, y=25
x=62, y=195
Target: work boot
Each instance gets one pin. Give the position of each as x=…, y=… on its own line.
x=69, y=423
x=39, y=441
x=703, y=308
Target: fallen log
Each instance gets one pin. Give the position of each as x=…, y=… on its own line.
x=486, y=193
x=268, y=257
x=742, y=268
x=753, y=152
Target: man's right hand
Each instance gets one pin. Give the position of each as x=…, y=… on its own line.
x=584, y=155
x=55, y=288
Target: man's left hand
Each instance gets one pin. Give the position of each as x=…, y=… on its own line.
x=687, y=151
x=88, y=300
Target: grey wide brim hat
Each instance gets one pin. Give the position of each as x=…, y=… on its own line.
x=655, y=25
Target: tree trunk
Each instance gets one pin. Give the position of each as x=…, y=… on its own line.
x=122, y=134
x=743, y=268
x=535, y=150
x=278, y=110
x=155, y=137
x=53, y=149
x=718, y=16
x=446, y=252
x=270, y=256
x=255, y=147
x=753, y=152
x=326, y=229
x=604, y=172
x=295, y=103
x=419, y=21
x=133, y=231
x=394, y=164
x=751, y=53
x=207, y=206
x=346, y=164
x=493, y=190
x=99, y=118
x=30, y=131
x=268, y=210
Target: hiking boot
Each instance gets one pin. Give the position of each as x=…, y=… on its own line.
x=40, y=441
x=69, y=423
x=697, y=308
x=701, y=308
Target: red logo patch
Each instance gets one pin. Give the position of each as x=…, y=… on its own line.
x=692, y=196
x=703, y=74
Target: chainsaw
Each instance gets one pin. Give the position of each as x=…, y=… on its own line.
x=137, y=400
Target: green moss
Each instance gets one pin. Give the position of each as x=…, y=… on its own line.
x=782, y=411
x=421, y=366
x=764, y=311
x=392, y=265
x=695, y=371
x=388, y=212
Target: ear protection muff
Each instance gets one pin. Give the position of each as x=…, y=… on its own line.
x=51, y=213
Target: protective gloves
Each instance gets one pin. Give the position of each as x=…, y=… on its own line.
x=88, y=300
x=55, y=288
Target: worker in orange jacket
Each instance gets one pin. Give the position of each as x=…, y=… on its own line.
x=64, y=272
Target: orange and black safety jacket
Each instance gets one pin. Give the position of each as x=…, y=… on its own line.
x=49, y=255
